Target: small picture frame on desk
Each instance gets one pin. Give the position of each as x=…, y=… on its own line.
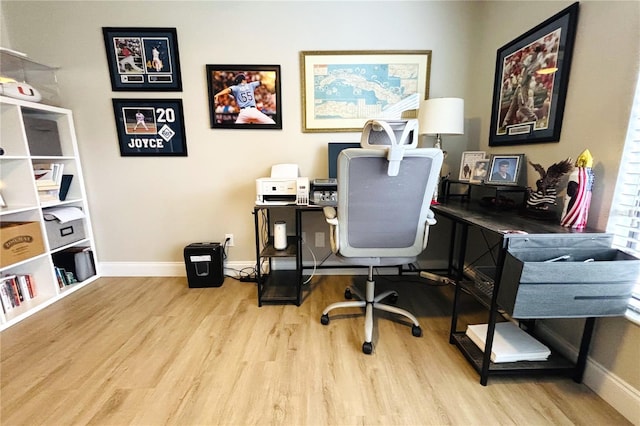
x=479, y=171
x=504, y=169
x=467, y=163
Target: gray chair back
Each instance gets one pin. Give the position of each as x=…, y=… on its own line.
x=381, y=215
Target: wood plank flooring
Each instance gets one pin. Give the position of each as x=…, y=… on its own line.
x=151, y=351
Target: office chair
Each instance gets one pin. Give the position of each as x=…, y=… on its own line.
x=383, y=212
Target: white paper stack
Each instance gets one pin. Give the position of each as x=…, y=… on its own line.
x=510, y=343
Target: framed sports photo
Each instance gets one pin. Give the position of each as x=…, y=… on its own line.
x=143, y=59
x=468, y=162
x=531, y=80
x=150, y=127
x=505, y=169
x=244, y=96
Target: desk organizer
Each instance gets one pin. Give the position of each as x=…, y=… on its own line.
x=595, y=280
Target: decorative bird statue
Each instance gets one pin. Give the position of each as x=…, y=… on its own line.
x=545, y=195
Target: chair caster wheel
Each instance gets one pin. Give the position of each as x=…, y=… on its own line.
x=367, y=348
x=348, y=294
x=324, y=319
x=415, y=330
x=393, y=298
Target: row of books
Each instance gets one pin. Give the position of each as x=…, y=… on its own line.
x=65, y=277
x=15, y=290
x=51, y=183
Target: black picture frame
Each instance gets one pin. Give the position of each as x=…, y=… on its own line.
x=260, y=104
x=514, y=169
x=531, y=80
x=143, y=59
x=162, y=133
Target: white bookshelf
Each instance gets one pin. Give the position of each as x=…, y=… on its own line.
x=18, y=189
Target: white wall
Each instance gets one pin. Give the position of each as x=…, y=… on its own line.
x=148, y=209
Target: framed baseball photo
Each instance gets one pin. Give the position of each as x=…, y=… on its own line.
x=468, y=162
x=244, y=96
x=150, y=127
x=143, y=59
x=505, y=169
x=531, y=80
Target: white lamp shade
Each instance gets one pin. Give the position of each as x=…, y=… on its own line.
x=442, y=116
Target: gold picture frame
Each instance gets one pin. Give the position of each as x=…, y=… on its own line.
x=341, y=90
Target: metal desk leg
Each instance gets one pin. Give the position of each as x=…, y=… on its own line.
x=493, y=314
x=299, y=256
x=581, y=363
x=459, y=277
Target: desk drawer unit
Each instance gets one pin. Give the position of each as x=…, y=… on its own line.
x=590, y=279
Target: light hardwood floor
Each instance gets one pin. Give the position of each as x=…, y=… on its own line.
x=151, y=351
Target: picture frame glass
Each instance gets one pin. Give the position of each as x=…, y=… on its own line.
x=342, y=89
x=505, y=169
x=143, y=59
x=531, y=81
x=468, y=162
x=244, y=96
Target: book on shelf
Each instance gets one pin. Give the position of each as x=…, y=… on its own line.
x=5, y=293
x=31, y=285
x=24, y=288
x=510, y=343
x=48, y=176
x=9, y=293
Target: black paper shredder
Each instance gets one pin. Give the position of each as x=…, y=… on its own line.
x=204, y=265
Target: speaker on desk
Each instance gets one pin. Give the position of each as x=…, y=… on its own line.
x=204, y=265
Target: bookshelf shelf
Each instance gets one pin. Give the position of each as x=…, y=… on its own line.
x=22, y=151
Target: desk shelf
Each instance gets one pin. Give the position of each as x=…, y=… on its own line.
x=495, y=190
x=281, y=287
x=555, y=364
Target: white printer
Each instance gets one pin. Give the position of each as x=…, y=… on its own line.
x=285, y=186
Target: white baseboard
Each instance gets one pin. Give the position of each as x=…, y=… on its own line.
x=615, y=391
x=160, y=269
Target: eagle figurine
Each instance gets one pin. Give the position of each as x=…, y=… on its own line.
x=545, y=194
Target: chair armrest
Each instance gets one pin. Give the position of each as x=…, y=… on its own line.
x=331, y=216
x=329, y=212
x=431, y=220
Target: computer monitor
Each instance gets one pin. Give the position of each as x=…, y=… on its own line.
x=333, y=151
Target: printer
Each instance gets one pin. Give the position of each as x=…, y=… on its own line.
x=284, y=187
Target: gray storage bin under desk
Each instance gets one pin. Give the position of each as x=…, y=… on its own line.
x=572, y=288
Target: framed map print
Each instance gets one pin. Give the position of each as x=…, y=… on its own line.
x=150, y=127
x=341, y=90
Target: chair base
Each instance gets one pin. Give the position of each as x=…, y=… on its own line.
x=370, y=302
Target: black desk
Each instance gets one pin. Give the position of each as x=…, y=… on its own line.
x=280, y=285
x=464, y=215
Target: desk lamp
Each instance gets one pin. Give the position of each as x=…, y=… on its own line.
x=441, y=116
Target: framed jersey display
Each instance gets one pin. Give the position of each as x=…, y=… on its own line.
x=143, y=59
x=150, y=127
x=244, y=96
